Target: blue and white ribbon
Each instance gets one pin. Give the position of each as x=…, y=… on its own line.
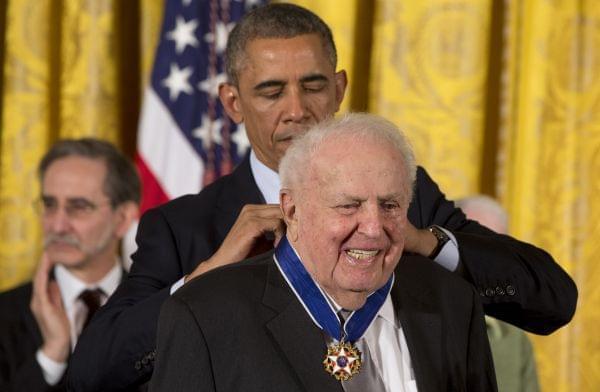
x=316, y=304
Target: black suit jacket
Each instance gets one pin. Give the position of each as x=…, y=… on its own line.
x=20, y=338
x=241, y=328
x=518, y=283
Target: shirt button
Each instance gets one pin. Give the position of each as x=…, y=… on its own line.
x=510, y=290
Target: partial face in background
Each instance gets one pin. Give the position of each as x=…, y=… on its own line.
x=79, y=223
x=490, y=219
x=285, y=85
x=347, y=217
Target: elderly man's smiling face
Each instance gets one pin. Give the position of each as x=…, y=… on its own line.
x=347, y=216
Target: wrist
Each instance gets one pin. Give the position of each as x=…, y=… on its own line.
x=423, y=242
x=58, y=352
x=202, y=268
x=440, y=239
x=51, y=370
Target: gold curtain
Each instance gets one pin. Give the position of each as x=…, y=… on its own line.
x=151, y=13
x=26, y=106
x=550, y=160
x=428, y=71
x=70, y=68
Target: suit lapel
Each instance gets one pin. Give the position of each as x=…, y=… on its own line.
x=300, y=340
x=239, y=190
x=303, y=344
x=421, y=325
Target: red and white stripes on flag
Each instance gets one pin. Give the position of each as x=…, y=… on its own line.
x=185, y=139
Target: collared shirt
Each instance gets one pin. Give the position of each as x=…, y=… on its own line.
x=70, y=288
x=388, y=348
x=266, y=179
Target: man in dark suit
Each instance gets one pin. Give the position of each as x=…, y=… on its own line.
x=282, y=79
x=263, y=324
x=89, y=198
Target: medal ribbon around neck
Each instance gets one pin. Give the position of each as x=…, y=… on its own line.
x=316, y=304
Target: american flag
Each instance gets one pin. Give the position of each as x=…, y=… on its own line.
x=185, y=139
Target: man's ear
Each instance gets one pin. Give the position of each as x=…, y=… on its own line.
x=126, y=214
x=288, y=209
x=341, y=82
x=230, y=98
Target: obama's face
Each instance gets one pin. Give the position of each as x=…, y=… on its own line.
x=285, y=85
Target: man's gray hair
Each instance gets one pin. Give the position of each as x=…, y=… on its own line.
x=361, y=127
x=274, y=21
x=122, y=183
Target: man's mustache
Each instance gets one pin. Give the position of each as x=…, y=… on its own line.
x=67, y=239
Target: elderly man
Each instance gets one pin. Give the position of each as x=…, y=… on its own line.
x=263, y=324
x=89, y=197
x=281, y=64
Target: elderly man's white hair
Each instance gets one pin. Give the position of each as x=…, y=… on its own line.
x=361, y=127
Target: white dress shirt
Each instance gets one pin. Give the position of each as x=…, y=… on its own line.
x=266, y=179
x=70, y=288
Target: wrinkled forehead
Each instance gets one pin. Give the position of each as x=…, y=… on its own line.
x=346, y=164
x=339, y=148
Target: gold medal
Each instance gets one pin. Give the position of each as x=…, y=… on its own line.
x=342, y=360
